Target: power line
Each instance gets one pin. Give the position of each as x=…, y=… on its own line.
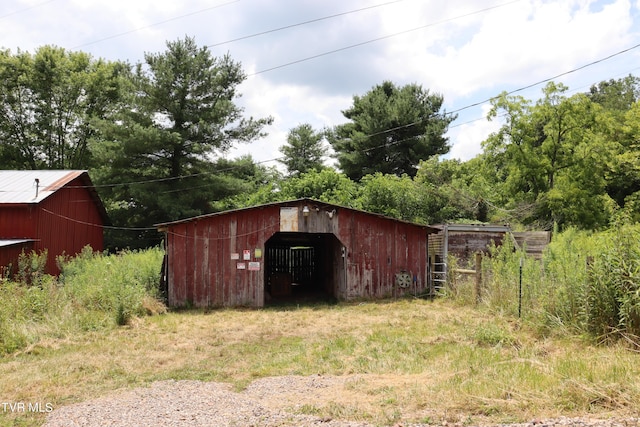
x=90, y=224
x=458, y=190
x=274, y=159
x=26, y=9
x=475, y=104
x=286, y=27
x=552, y=78
x=520, y=89
x=238, y=38
x=155, y=24
x=308, y=58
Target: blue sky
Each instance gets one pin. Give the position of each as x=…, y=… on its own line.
x=466, y=50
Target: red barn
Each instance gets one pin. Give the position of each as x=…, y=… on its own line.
x=288, y=250
x=54, y=210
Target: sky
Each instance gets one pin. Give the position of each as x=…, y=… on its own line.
x=306, y=59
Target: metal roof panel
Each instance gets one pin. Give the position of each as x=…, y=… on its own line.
x=11, y=242
x=20, y=187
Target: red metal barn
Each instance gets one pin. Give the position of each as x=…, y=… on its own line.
x=56, y=210
x=289, y=250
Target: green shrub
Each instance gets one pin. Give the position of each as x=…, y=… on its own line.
x=31, y=267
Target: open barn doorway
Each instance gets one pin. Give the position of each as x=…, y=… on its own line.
x=303, y=267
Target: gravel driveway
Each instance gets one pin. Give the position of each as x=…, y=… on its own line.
x=267, y=402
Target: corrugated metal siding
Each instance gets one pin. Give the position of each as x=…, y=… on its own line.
x=65, y=220
x=9, y=254
x=202, y=271
x=68, y=221
x=18, y=221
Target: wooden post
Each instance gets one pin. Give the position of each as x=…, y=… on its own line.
x=478, y=277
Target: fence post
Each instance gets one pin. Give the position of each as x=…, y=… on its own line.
x=478, y=277
x=520, y=291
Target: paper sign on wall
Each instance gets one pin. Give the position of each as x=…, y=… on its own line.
x=246, y=255
x=257, y=253
x=254, y=266
x=235, y=255
x=241, y=266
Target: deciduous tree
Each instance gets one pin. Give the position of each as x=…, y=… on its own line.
x=49, y=102
x=552, y=156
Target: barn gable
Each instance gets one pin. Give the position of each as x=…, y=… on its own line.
x=290, y=249
x=54, y=210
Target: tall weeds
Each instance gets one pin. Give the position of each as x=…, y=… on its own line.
x=613, y=295
x=94, y=291
x=584, y=283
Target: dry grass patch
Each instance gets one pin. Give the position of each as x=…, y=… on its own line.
x=397, y=361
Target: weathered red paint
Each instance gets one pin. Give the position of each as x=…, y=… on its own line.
x=63, y=223
x=362, y=261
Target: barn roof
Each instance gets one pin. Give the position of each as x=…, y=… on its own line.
x=20, y=187
x=12, y=242
x=286, y=203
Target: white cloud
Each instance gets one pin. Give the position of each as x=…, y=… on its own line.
x=468, y=136
x=466, y=55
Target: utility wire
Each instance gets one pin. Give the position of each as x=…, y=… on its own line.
x=274, y=159
x=553, y=78
x=286, y=27
x=154, y=24
x=520, y=89
x=389, y=130
x=308, y=58
x=459, y=191
x=108, y=227
x=238, y=38
x=26, y=9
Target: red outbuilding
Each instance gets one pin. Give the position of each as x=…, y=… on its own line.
x=54, y=210
x=289, y=250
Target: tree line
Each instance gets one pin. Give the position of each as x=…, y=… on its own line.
x=153, y=136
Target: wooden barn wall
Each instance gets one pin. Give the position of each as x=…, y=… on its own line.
x=67, y=221
x=377, y=250
x=202, y=271
x=464, y=244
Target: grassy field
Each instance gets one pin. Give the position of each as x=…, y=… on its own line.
x=415, y=360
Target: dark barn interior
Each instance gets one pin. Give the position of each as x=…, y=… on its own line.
x=302, y=267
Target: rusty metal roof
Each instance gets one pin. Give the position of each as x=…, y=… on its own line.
x=20, y=187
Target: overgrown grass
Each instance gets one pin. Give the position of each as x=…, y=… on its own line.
x=586, y=283
x=86, y=335
x=403, y=361
x=94, y=292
